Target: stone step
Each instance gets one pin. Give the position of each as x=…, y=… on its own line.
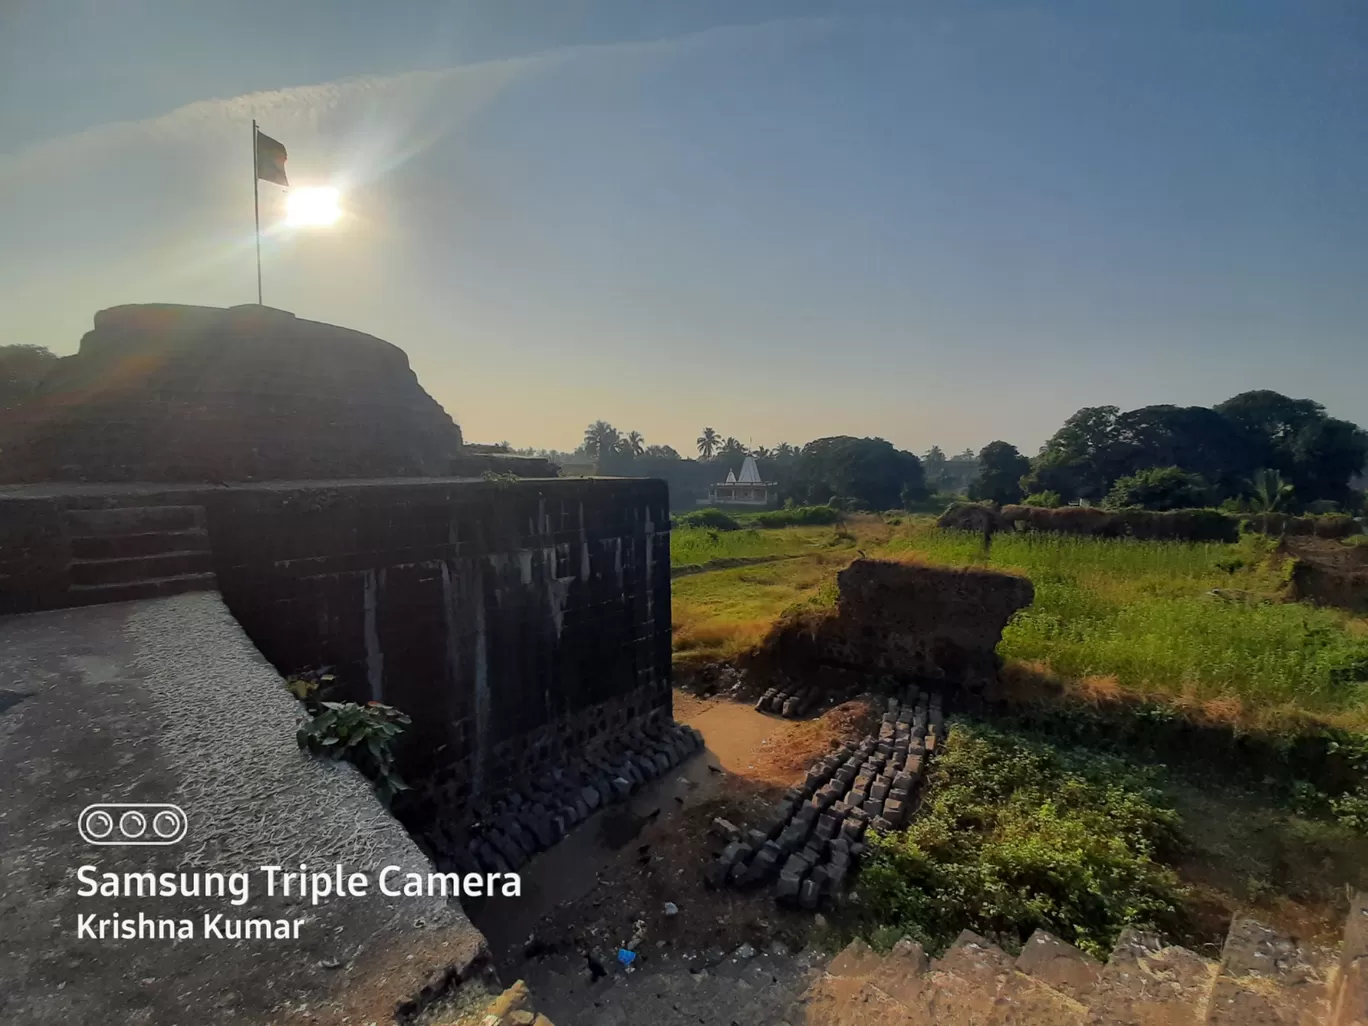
x=1351, y=988
x=150, y=543
x=1148, y=983
x=94, y=572
x=962, y=987
x=1266, y=979
x=133, y=520
x=846, y=994
x=1060, y=966
x=94, y=594
x=1025, y=1001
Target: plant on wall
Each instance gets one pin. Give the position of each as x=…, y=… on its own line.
x=364, y=735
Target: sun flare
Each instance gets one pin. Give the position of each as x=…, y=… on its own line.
x=312, y=206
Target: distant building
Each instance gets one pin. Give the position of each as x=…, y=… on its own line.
x=746, y=490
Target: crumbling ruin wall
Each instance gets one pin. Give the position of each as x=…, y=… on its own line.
x=921, y=623
x=1330, y=586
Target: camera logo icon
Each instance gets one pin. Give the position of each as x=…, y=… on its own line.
x=141, y=823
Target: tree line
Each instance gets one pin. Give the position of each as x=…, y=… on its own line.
x=1259, y=450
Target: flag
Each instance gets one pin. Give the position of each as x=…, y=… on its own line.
x=270, y=159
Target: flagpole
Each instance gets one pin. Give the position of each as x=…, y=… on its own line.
x=256, y=205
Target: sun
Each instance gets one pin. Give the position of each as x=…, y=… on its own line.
x=312, y=206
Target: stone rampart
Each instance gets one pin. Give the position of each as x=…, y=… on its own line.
x=512, y=620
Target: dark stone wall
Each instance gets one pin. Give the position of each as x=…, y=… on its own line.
x=510, y=619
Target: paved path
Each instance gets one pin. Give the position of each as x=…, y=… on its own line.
x=166, y=700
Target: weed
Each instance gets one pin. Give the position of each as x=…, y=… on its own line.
x=364, y=735
x=1015, y=835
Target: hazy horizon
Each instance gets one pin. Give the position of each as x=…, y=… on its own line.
x=780, y=219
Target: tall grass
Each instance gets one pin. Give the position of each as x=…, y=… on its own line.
x=1143, y=614
x=695, y=545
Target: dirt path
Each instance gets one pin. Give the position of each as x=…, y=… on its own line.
x=608, y=883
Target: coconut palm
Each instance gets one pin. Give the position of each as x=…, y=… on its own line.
x=635, y=443
x=1270, y=494
x=761, y=453
x=732, y=449
x=707, y=443
x=600, y=438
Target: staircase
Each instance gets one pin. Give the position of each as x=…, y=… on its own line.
x=137, y=552
x=1262, y=979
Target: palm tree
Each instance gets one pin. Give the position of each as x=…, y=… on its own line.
x=1271, y=493
x=761, y=453
x=732, y=448
x=783, y=451
x=636, y=444
x=600, y=438
x=707, y=443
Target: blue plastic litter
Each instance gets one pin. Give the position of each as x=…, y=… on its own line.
x=626, y=957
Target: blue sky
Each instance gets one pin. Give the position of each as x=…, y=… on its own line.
x=938, y=223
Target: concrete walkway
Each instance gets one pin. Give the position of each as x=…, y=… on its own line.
x=166, y=700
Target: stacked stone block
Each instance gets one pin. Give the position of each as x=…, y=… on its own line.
x=793, y=702
x=815, y=837
x=508, y=829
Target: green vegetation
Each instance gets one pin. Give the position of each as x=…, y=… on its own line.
x=795, y=516
x=703, y=545
x=1043, y=500
x=363, y=735
x=1015, y=835
x=1140, y=615
x=1200, y=624
x=712, y=519
x=1000, y=470
x=1158, y=488
x=1230, y=447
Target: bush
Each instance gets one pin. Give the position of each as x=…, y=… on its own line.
x=1013, y=836
x=713, y=519
x=796, y=516
x=1160, y=489
x=1043, y=500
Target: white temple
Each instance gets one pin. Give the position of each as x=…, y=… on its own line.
x=746, y=490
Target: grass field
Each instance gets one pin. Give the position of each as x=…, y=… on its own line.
x=1138, y=616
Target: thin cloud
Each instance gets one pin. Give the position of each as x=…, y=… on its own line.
x=419, y=106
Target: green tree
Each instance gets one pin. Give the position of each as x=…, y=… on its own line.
x=869, y=471
x=708, y=442
x=1079, y=460
x=661, y=452
x=732, y=449
x=1000, y=470
x=933, y=466
x=600, y=438
x=634, y=443
x=1159, y=488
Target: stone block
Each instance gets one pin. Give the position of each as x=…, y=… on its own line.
x=895, y=812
